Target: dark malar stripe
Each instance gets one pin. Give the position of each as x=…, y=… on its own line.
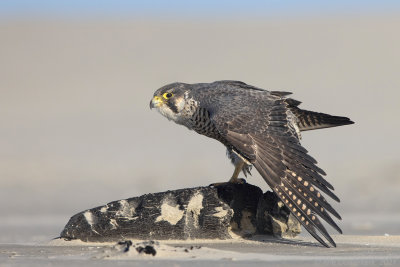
x=172, y=107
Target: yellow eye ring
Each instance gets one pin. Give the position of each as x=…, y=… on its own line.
x=168, y=95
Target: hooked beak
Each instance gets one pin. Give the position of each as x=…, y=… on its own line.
x=156, y=102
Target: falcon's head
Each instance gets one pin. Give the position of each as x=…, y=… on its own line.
x=170, y=100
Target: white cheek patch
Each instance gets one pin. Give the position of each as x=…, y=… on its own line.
x=180, y=104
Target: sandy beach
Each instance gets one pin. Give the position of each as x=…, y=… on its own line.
x=260, y=251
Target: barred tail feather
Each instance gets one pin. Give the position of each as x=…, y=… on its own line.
x=310, y=120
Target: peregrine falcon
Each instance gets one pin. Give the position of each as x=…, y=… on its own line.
x=260, y=128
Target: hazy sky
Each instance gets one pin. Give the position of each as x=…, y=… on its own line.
x=192, y=8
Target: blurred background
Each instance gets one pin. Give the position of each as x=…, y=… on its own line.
x=76, y=79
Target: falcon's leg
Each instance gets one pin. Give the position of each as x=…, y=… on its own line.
x=234, y=179
x=238, y=168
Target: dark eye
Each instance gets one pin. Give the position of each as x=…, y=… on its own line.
x=168, y=95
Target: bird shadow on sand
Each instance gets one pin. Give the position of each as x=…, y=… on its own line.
x=277, y=240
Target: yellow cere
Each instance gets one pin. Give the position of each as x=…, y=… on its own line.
x=157, y=99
